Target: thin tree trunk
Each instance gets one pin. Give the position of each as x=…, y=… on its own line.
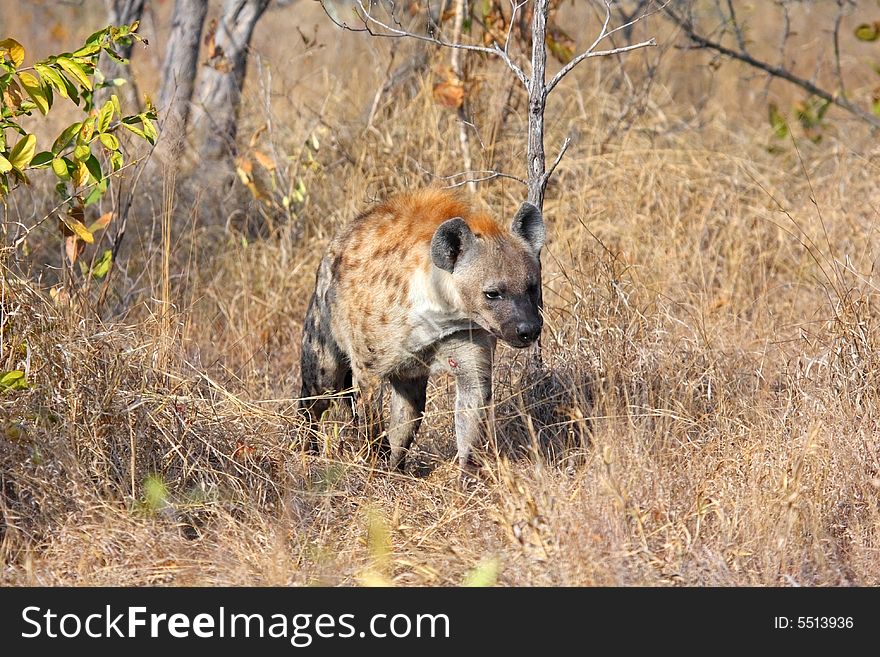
x=122, y=12
x=537, y=164
x=219, y=94
x=458, y=71
x=179, y=69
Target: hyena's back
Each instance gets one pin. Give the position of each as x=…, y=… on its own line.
x=366, y=279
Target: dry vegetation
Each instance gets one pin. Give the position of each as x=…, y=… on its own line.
x=709, y=411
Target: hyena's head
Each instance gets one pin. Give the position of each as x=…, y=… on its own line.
x=496, y=273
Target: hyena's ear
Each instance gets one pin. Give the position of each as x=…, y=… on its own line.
x=529, y=224
x=451, y=241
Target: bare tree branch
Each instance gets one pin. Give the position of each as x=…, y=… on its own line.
x=604, y=34
x=775, y=71
x=536, y=85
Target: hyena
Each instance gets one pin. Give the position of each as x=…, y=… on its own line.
x=419, y=284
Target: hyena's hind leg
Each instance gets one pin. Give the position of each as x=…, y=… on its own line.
x=325, y=370
x=369, y=417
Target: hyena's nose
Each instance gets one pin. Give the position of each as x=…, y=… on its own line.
x=528, y=332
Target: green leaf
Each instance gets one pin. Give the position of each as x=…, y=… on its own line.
x=868, y=31
x=135, y=130
x=5, y=165
x=15, y=50
x=36, y=91
x=75, y=71
x=102, y=266
x=82, y=152
x=42, y=159
x=111, y=143
x=96, y=193
x=59, y=166
x=13, y=380
x=94, y=168
x=116, y=160
x=66, y=137
x=87, y=50
x=23, y=152
x=105, y=116
x=115, y=100
x=97, y=37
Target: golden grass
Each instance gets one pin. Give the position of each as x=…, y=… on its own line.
x=708, y=415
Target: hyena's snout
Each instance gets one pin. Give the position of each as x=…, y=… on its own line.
x=523, y=328
x=527, y=332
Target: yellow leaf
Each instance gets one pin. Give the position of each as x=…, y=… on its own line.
x=5, y=165
x=79, y=229
x=868, y=31
x=76, y=71
x=34, y=89
x=80, y=173
x=15, y=50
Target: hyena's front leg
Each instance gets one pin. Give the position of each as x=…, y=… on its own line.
x=468, y=356
x=407, y=408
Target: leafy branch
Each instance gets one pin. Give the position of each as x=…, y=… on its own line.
x=87, y=152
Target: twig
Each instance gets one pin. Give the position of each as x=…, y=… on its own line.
x=557, y=160
x=490, y=174
x=737, y=28
x=836, y=40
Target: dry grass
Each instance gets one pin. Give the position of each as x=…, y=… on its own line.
x=708, y=415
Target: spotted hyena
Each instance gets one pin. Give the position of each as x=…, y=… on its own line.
x=422, y=283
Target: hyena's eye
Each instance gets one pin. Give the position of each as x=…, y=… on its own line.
x=492, y=295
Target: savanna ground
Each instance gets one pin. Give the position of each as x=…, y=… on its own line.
x=707, y=414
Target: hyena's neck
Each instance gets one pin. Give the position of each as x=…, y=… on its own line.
x=436, y=310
